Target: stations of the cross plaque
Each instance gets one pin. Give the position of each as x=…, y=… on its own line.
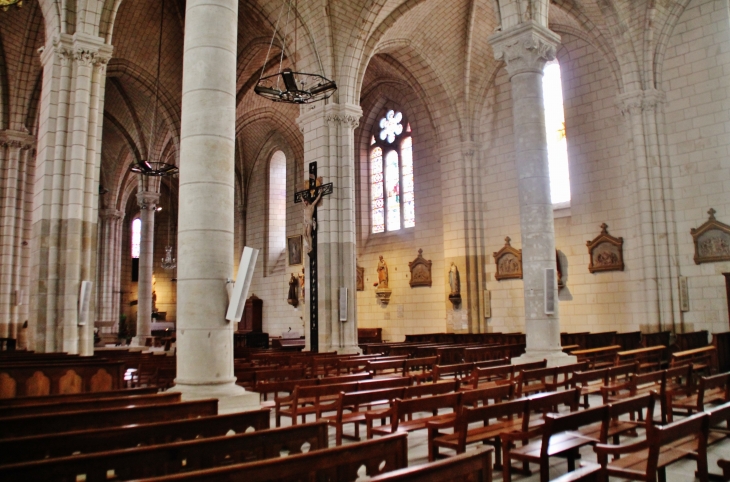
x=311, y=197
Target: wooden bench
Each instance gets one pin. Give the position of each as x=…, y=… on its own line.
x=472, y=467
x=421, y=369
x=691, y=340
x=663, y=445
x=649, y=359
x=337, y=463
x=369, y=335
x=109, y=417
x=76, y=397
x=63, y=444
x=713, y=389
x=628, y=341
x=172, y=458
x=489, y=376
x=600, y=357
x=402, y=414
x=356, y=407
x=721, y=341
x=564, y=376
x=89, y=405
x=66, y=375
x=560, y=437
x=589, y=382
x=725, y=466
x=703, y=360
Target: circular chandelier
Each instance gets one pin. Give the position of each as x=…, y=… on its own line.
x=154, y=169
x=288, y=85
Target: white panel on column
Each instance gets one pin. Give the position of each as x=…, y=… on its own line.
x=243, y=283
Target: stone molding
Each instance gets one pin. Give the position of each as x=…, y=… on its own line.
x=641, y=101
x=345, y=115
x=111, y=214
x=468, y=148
x=148, y=200
x=86, y=50
x=525, y=48
x=17, y=139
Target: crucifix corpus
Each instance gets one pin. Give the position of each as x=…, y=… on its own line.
x=311, y=197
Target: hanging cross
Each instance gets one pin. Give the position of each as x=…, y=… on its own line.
x=311, y=198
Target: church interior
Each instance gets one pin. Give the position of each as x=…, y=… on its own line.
x=213, y=207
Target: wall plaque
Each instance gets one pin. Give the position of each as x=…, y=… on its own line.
x=420, y=271
x=508, y=261
x=360, y=278
x=712, y=240
x=606, y=252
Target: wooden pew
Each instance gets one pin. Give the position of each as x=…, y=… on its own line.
x=702, y=359
x=66, y=375
x=110, y=417
x=649, y=359
x=691, y=340
x=369, y=335
x=721, y=341
x=663, y=446
x=489, y=376
x=589, y=382
x=356, y=407
x=628, y=341
x=89, y=405
x=402, y=414
x=472, y=467
x=725, y=466
x=713, y=389
x=76, y=397
x=64, y=444
x=172, y=458
x=600, y=357
x=598, y=340
x=337, y=463
x=560, y=437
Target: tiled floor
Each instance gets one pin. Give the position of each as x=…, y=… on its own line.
x=682, y=471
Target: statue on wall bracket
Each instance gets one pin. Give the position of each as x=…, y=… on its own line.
x=712, y=240
x=606, y=252
x=454, y=285
x=420, y=271
x=508, y=261
x=383, y=291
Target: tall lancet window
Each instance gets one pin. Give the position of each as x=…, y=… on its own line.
x=391, y=172
x=556, y=140
x=136, y=237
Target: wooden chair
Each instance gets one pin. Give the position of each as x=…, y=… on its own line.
x=647, y=459
x=402, y=414
x=725, y=466
x=589, y=382
x=712, y=390
x=356, y=407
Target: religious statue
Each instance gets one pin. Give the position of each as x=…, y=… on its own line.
x=382, y=274
x=454, y=281
x=301, y=285
x=455, y=284
x=309, y=223
x=293, y=297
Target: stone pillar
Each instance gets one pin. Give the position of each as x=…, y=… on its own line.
x=65, y=217
x=16, y=164
x=643, y=113
x=330, y=141
x=147, y=206
x=525, y=48
x=205, y=233
x=460, y=172
x=110, y=264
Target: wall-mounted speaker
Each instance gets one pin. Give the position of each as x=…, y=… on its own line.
x=550, y=291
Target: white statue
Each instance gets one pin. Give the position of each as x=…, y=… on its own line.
x=454, y=280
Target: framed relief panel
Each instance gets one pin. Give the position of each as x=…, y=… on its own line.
x=420, y=271
x=294, y=249
x=712, y=241
x=606, y=252
x=508, y=261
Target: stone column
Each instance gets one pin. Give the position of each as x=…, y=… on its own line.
x=205, y=233
x=330, y=141
x=16, y=164
x=147, y=206
x=109, y=277
x=65, y=203
x=460, y=172
x=525, y=48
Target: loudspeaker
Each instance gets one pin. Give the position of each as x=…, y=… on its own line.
x=343, y=304
x=243, y=283
x=84, y=301
x=550, y=291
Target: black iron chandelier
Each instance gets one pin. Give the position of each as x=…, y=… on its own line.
x=6, y=4
x=155, y=168
x=288, y=85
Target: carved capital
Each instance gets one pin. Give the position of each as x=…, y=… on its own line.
x=634, y=103
x=525, y=48
x=148, y=200
x=17, y=139
x=346, y=120
x=111, y=215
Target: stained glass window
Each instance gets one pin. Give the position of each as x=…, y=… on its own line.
x=136, y=237
x=556, y=139
x=378, y=203
x=392, y=187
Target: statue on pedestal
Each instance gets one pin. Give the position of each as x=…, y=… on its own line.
x=383, y=292
x=455, y=285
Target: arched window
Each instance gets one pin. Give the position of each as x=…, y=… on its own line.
x=277, y=211
x=556, y=140
x=136, y=237
x=391, y=172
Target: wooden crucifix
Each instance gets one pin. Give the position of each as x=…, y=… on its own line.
x=311, y=197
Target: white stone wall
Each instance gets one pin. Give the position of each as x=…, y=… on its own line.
x=695, y=79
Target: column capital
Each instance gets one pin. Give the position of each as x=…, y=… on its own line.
x=111, y=214
x=468, y=148
x=640, y=100
x=148, y=200
x=18, y=139
x=345, y=115
x=526, y=47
